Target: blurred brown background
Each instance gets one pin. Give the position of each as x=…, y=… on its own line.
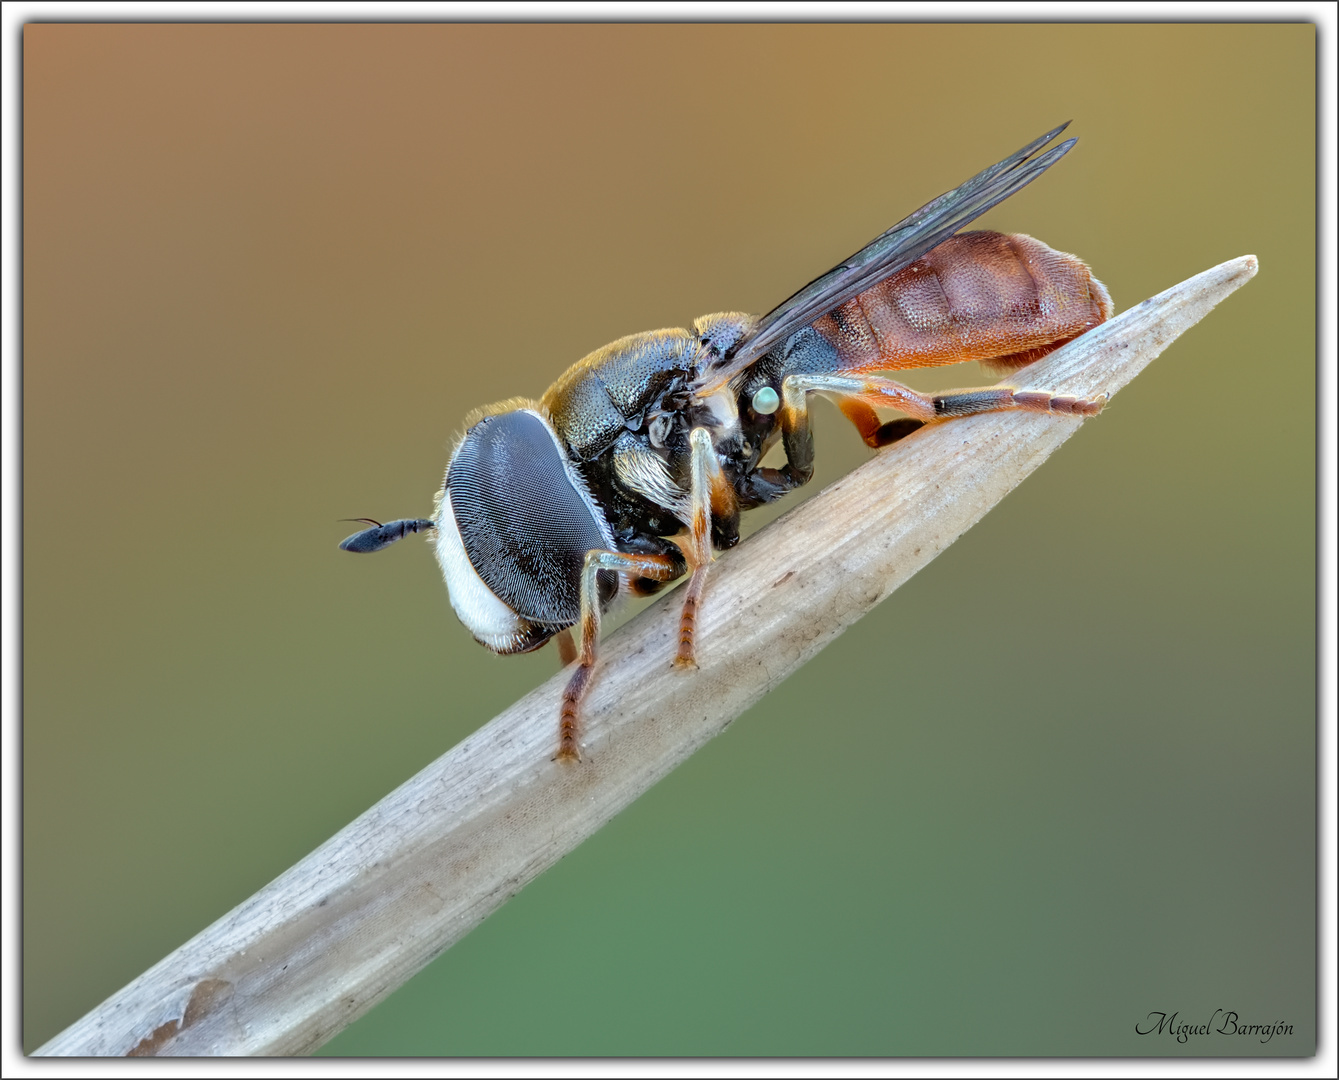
x=267, y=271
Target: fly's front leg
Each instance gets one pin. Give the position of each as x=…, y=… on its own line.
x=711, y=497
x=657, y=567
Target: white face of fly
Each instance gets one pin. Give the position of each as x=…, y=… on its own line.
x=492, y=622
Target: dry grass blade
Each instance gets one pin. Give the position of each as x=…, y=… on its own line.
x=351, y=922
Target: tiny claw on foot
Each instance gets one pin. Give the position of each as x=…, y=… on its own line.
x=567, y=752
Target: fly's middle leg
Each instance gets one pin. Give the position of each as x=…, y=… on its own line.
x=656, y=567
x=710, y=495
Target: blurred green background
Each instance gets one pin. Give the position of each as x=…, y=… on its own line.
x=1062, y=779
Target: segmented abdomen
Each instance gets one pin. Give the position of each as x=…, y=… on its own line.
x=1003, y=300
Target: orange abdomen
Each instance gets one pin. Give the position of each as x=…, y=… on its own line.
x=1003, y=300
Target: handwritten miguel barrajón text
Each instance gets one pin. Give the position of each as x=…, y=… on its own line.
x=1223, y=1022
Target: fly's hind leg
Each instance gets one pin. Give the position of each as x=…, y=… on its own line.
x=861, y=393
x=954, y=403
x=656, y=567
x=858, y=395
x=874, y=431
x=714, y=509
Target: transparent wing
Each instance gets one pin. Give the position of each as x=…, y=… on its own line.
x=890, y=252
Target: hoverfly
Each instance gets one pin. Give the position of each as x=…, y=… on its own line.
x=634, y=466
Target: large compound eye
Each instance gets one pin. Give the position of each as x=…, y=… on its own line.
x=525, y=517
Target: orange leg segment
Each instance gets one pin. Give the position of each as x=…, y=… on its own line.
x=874, y=431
